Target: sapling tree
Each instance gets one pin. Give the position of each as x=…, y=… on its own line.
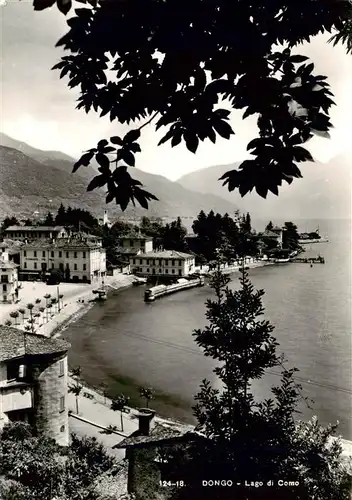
x=244, y=438
x=76, y=388
x=119, y=404
x=22, y=312
x=147, y=393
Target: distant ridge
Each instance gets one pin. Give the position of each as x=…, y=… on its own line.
x=33, y=179
x=323, y=193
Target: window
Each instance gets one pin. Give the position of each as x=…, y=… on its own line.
x=173, y=271
x=166, y=271
x=24, y=253
x=173, y=263
x=179, y=272
x=75, y=267
x=147, y=271
x=52, y=265
x=35, y=265
x=147, y=261
x=153, y=262
x=75, y=255
x=4, y=288
x=180, y=262
x=160, y=271
x=131, y=243
x=62, y=403
x=35, y=253
x=84, y=255
x=62, y=368
x=43, y=266
x=134, y=261
x=67, y=255
x=84, y=267
x=43, y=253
x=166, y=262
x=140, y=261
x=52, y=254
x=25, y=265
x=12, y=371
x=60, y=255
x=4, y=278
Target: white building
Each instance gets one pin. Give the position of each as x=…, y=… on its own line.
x=9, y=279
x=33, y=382
x=163, y=263
x=136, y=243
x=35, y=232
x=79, y=258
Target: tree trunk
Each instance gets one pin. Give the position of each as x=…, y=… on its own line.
x=121, y=420
x=77, y=405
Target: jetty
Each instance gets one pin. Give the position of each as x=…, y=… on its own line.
x=182, y=284
x=309, y=260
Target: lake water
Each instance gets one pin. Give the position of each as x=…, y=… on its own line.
x=127, y=343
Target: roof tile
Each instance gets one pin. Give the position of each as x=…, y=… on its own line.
x=12, y=344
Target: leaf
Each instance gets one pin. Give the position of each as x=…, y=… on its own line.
x=102, y=144
x=83, y=161
x=308, y=69
x=261, y=190
x=166, y=137
x=128, y=157
x=301, y=154
x=255, y=143
x=43, y=4
x=64, y=6
x=116, y=140
x=134, y=147
x=109, y=197
x=132, y=136
x=298, y=58
x=103, y=160
x=191, y=140
x=98, y=181
x=223, y=129
x=176, y=138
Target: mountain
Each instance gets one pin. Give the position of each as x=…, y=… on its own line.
x=324, y=192
x=36, y=154
x=28, y=185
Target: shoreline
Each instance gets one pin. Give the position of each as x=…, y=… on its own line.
x=79, y=309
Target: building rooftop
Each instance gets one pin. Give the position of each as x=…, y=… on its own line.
x=135, y=235
x=72, y=242
x=166, y=254
x=10, y=244
x=13, y=343
x=163, y=430
x=35, y=228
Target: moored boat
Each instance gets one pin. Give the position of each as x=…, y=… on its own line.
x=182, y=284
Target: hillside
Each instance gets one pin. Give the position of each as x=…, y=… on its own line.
x=28, y=185
x=36, y=154
x=323, y=193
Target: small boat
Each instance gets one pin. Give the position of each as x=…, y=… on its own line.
x=282, y=261
x=139, y=281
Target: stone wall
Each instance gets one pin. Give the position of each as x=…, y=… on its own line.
x=51, y=385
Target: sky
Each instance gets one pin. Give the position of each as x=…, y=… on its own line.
x=39, y=109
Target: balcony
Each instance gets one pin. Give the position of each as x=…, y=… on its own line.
x=16, y=396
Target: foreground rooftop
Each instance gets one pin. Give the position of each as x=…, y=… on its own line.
x=15, y=343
